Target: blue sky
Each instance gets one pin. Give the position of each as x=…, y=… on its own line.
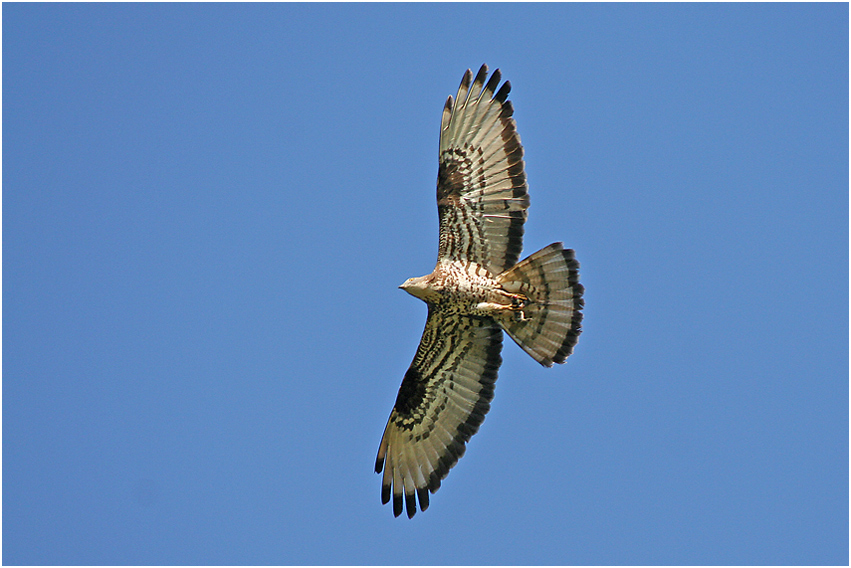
x=207, y=210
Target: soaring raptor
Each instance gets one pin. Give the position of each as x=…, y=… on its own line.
x=477, y=290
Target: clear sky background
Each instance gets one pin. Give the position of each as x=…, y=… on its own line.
x=207, y=210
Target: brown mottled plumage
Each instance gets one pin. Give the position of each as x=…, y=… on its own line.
x=477, y=290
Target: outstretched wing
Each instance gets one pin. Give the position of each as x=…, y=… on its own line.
x=443, y=399
x=481, y=186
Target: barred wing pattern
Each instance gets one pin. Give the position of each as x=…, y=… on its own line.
x=442, y=402
x=481, y=185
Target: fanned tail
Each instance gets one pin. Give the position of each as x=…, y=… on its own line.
x=547, y=325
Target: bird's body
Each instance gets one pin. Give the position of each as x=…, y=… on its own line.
x=463, y=288
x=476, y=290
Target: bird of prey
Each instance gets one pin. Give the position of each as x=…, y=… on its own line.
x=477, y=290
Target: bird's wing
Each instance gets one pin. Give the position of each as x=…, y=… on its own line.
x=481, y=185
x=443, y=399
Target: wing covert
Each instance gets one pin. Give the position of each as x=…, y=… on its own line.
x=481, y=186
x=441, y=403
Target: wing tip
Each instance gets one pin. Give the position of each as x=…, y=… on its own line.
x=422, y=496
x=467, y=78
x=397, y=504
x=502, y=94
x=410, y=504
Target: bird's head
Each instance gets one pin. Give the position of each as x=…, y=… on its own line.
x=420, y=287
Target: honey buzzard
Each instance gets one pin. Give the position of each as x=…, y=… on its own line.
x=477, y=290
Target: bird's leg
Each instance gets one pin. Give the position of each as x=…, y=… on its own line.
x=518, y=301
x=506, y=301
x=500, y=303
